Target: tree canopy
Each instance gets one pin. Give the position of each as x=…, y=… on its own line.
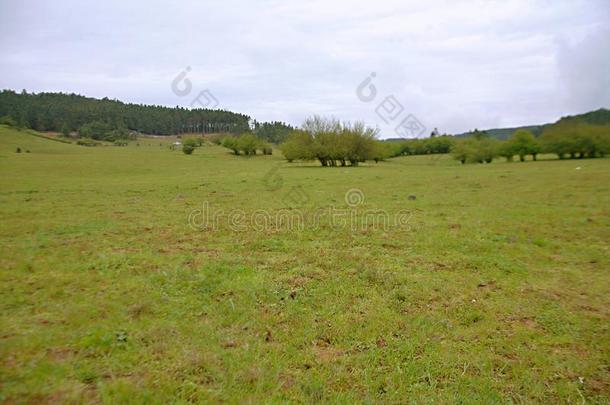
x=331, y=142
x=59, y=111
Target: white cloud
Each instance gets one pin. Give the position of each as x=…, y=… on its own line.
x=454, y=64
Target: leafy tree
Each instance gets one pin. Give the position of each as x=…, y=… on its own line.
x=188, y=148
x=382, y=151
x=475, y=149
x=576, y=139
x=65, y=130
x=358, y=143
x=507, y=150
x=331, y=142
x=248, y=144
x=464, y=150
x=230, y=142
x=298, y=146
x=8, y=120
x=274, y=132
x=50, y=111
x=524, y=143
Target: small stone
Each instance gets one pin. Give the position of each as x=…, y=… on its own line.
x=412, y=197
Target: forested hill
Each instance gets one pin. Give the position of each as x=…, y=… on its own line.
x=597, y=117
x=59, y=111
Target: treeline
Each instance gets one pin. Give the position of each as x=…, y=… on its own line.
x=426, y=146
x=70, y=112
x=331, y=142
x=246, y=144
x=567, y=138
x=273, y=132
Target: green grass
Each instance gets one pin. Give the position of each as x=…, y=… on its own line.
x=497, y=291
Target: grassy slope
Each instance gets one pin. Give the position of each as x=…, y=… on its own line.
x=498, y=291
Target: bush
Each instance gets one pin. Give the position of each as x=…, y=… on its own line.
x=216, y=139
x=275, y=132
x=576, y=140
x=476, y=149
x=331, y=142
x=298, y=146
x=8, y=120
x=99, y=130
x=189, y=145
x=18, y=150
x=523, y=143
x=230, y=142
x=87, y=142
x=248, y=144
x=65, y=130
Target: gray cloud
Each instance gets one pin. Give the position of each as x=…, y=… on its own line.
x=456, y=65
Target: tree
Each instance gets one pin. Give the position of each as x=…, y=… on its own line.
x=230, y=142
x=382, y=151
x=475, y=149
x=507, y=150
x=358, y=143
x=298, y=146
x=65, y=130
x=273, y=132
x=576, y=139
x=463, y=150
x=8, y=120
x=189, y=145
x=524, y=143
x=248, y=144
x=50, y=111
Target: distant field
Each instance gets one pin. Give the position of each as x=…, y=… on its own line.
x=496, y=289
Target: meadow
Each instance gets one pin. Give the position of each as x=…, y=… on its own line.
x=497, y=290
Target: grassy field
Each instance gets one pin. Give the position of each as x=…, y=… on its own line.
x=496, y=290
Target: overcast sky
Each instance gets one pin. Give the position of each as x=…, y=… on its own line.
x=455, y=65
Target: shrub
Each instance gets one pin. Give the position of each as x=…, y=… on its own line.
x=87, y=142
x=230, y=142
x=475, y=149
x=8, y=120
x=18, y=150
x=99, y=130
x=298, y=146
x=576, y=140
x=189, y=145
x=65, y=130
x=331, y=142
x=524, y=143
x=216, y=139
x=188, y=149
x=248, y=144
